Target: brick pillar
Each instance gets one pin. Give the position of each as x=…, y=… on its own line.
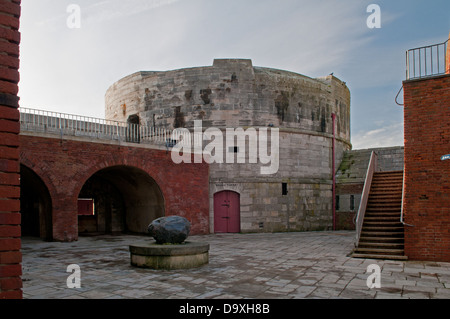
x=427, y=173
x=10, y=255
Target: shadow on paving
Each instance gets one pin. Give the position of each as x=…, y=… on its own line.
x=258, y=266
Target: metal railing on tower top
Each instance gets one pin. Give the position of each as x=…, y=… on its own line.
x=431, y=60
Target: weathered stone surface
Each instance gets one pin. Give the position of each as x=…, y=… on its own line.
x=170, y=230
x=232, y=93
x=152, y=249
x=169, y=257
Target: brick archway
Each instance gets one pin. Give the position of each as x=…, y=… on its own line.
x=125, y=199
x=35, y=205
x=67, y=164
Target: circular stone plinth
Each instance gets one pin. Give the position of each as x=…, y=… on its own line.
x=168, y=257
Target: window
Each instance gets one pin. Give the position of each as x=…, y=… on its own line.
x=352, y=202
x=337, y=203
x=233, y=149
x=86, y=207
x=284, y=190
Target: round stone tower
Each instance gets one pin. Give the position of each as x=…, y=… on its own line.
x=234, y=94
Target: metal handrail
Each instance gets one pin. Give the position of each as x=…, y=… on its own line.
x=426, y=61
x=403, y=200
x=398, y=94
x=373, y=164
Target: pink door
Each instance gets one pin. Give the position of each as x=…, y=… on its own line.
x=227, y=212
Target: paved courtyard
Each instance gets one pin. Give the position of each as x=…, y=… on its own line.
x=261, y=266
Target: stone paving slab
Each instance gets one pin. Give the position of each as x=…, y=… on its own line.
x=312, y=265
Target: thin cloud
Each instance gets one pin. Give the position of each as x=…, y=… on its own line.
x=391, y=135
x=103, y=11
x=115, y=9
x=70, y=70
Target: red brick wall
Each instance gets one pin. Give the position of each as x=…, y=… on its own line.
x=10, y=255
x=427, y=188
x=65, y=166
x=345, y=220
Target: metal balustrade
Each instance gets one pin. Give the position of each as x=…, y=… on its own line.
x=427, y=61
x=40, y=121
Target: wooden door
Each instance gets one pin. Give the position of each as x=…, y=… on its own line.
x=227, y=215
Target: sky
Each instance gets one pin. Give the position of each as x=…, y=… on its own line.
x=67, y=67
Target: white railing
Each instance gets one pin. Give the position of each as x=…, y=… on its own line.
x=427, y=61
x=40, y=121
x=373, y=164
x=54, y=122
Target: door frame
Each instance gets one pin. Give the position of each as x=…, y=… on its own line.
x=238, y=222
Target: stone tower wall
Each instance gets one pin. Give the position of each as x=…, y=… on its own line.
x=234, y=94
x=231, y=93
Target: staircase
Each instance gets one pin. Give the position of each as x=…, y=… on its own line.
x=382, y=235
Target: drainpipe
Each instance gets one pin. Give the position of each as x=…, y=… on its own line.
x=333, y=116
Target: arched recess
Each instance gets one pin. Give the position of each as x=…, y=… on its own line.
x=227, y=212
x=35, y=205
x=121, y=199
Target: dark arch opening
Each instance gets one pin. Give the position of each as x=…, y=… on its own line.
x=35, y=206
x=119, y=199
x=134, y=119
x=133, y=130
